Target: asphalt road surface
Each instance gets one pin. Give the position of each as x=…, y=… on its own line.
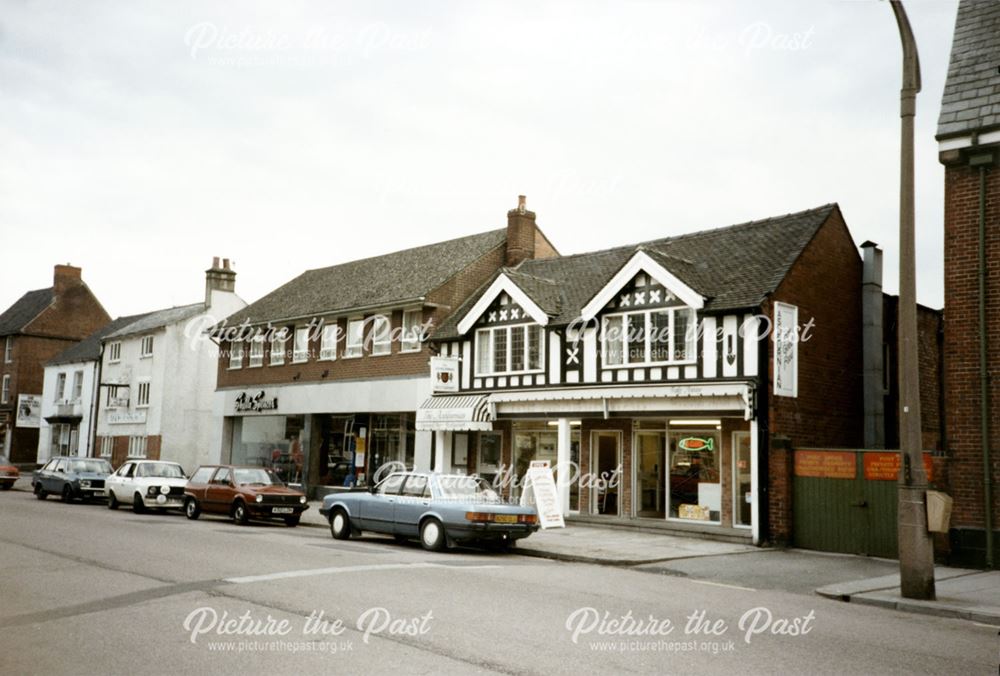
x=89, y=591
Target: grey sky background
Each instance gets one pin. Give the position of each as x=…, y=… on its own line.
x=139, y=139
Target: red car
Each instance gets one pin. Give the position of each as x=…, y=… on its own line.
x=8, y=473
x=242, y=493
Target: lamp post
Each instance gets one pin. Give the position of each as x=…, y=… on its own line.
x=916, y=549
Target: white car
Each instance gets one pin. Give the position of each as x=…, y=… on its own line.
x=147, y=483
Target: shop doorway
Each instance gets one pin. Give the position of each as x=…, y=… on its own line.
x=742, y=472
x=488, y=465
x=605, y=464
x=650, y=477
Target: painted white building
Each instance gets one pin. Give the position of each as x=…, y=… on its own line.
x=158, y=378
x=69, y=396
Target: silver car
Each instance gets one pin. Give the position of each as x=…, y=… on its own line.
x=440, y=509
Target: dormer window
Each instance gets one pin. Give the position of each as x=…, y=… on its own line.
x=509, y=349
x=648, y=337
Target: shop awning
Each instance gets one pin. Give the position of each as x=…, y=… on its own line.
x=455, y=413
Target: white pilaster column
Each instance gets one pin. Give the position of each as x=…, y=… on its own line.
x=562, y=463
x=442, y=449
x=754, y=474
x=422, y=451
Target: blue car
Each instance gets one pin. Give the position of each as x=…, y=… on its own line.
x=441, y=510
x=71, y=478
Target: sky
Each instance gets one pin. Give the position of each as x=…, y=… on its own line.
x=140, y=139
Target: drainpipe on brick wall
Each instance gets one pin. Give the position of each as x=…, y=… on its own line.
x=982, y=162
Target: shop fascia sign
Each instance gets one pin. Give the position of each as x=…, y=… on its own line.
x=126, y=417
x=255, y=403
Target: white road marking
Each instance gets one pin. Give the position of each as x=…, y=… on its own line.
x=719, y=584
x=349, y=569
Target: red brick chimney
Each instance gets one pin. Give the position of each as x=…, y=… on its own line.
x=520, y=233
x=66, y=276
x=219, y=278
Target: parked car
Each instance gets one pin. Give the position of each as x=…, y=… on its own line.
x=71, y=478
x=243, y=493
x=147, y=483
x=439, y=509
x=8, y=473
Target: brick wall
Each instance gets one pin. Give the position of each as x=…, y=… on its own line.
x=961, y=341
x=825, y=285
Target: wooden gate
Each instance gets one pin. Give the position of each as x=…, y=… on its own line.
x=845, y=500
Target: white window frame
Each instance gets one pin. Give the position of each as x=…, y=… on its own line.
x=256, y=359
x=144, y=353
x=354, y=350
x=647, y=319
x=381, y=340
x=142, y=394
x=278, y=348
x=300, y=350
x=509, y=328
x=60, y=386
x=8, y=350
x=5, y=389
x=236, y=355
x=77, y=385
x=413, y=320
x=115, y=352
x=107, y=446
x=328, y=342
x=138, y=446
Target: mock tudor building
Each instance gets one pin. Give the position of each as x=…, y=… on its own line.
x=157, y=379
x=968, y=136
x=41, y=324
x=320, y=379
x=69, y=396
x=642, y=366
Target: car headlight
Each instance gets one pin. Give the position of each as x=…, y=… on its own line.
x=152, y=491
x=302, y=500
x=164, y=489
x=260, y=498
x=85, y=484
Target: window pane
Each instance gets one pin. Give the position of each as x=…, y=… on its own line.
x=411, y=329
x=328, y=348
x=613, y=341
x=381, y=336
x=499, y=350
x=355, y=334
x=682, y=342
x=483, y=357
x=517, y=348
x=301, y=345
x=659, y=336
x=534, y=349
x=636, y=338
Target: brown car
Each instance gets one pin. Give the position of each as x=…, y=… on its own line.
x=8, y=473
x=242, y=493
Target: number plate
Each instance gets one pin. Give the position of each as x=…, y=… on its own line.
x=505, y=518
x=282, y=510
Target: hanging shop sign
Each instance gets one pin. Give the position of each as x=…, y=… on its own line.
x=255, y=403
x=826, y=464
x=444, y=374
x=884, y=466
x=29, y=410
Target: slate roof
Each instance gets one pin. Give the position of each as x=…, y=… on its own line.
x=734, y=267
x=89, y=349
x=26, y=308
x=370, y=282
x=971, y=98
x=157, y=319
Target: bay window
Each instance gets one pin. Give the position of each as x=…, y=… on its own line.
x=662, y=336
x=509, y=349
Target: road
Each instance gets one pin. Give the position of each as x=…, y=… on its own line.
x=87, y=590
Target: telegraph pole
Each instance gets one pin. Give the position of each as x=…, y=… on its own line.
x=916, y=549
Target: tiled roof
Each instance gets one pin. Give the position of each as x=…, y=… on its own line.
x=158, y=319
x=733, y=267
x=89, y=349
x=27, y=307
x=971, y=98
x=370, y=282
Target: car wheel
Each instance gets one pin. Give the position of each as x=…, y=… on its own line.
x=191, y=509
x=292, y=521
x=40, y=492
x=432, y=535
x=138, y=506
x=67, y=493
x=112, y=500
x=340, y=525
x=240, y=515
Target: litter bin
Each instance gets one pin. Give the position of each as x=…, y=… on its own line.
x=938, y=511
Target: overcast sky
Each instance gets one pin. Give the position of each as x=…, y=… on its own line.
x=139, y=139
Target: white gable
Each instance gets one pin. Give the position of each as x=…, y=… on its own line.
x=502, y=284
x=641, y=262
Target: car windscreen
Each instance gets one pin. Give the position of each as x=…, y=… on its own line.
x=160, y=470
x=254, y=476
x=471, y=488
x=90, y=466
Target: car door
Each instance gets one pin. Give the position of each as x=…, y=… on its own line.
x=42, y=476
x=219, y=495
x=413, y=502
x=116, y=481
x=57, y=479
x=377, y=512
x=128, y=486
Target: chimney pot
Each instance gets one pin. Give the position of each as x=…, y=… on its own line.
x=225, y=263
x=522, y=203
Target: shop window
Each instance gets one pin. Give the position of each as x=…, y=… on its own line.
x=412, y=330
x=509, y=349
x=489, y=456
x=391, y=439
x=695, y=486
x=328, y=342
x=381, y=335
x=256, y=352
x=300, y=347
x=272, y=441
x=236, y=354
x=355, y=337
x=146, y=347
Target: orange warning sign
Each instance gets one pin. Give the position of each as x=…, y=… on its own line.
x=826, y=464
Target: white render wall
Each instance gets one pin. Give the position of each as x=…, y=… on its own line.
x=83, y=405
